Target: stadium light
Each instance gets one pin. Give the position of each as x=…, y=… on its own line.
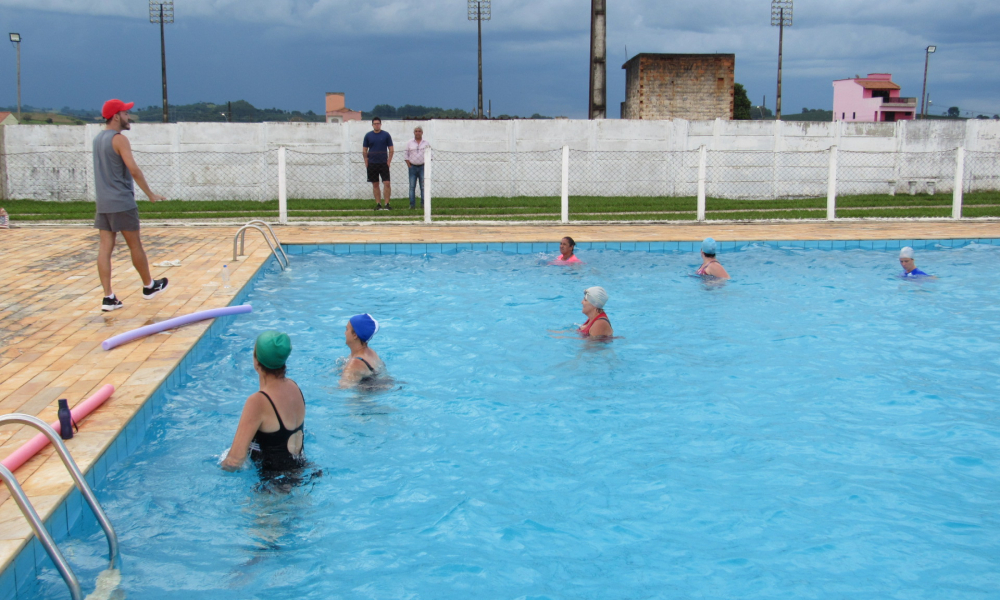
x=781, y=15
x=15, y=38
x=162, y=12
x=479, y=11
x=923, y=95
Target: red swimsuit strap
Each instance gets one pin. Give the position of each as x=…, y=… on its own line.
x=590, y=322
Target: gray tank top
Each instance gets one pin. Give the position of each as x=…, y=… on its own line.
x=113, y=181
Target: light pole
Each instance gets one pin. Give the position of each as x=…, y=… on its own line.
x=923, y=94
x=781, y=15
x=162, y=12
x=15, y=38
x=598, y=60
x=479, y=11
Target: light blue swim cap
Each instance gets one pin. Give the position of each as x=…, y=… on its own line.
x=708, y=246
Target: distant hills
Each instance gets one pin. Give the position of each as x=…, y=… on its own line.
x=810, y=114
x=242, y=111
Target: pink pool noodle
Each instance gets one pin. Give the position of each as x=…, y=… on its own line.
x=128, y=336
x=32, y=446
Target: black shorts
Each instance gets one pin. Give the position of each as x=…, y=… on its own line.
x=376, y=170
x=127, y=220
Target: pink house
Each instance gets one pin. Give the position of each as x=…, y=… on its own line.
x=872, y=98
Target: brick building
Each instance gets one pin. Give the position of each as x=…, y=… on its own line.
x=679, y=86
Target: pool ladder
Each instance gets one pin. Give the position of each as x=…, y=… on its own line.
x=32, y=516
x=241, y=236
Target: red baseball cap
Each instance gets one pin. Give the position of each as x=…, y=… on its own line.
x=115, y=106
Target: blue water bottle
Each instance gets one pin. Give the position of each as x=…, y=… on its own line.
x=65, y=420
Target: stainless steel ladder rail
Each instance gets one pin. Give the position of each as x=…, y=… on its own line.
x=241, y=235
x=32, y=516
x=273, y=235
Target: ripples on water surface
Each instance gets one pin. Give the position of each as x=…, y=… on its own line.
x=814, y=428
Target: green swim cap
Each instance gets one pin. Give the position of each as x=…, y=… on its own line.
x=273, y=348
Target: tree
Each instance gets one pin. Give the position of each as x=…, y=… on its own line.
x=741, y=103
x=954, y=112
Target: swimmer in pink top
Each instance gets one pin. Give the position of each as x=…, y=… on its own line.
x=710, y=267
x=566, y=256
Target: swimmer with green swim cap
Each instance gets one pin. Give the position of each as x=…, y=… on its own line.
x=273, y=419
x=364, y=364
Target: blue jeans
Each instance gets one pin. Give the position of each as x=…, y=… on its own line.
x=416, y=174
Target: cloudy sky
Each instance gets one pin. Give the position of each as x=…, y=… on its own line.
x=287, y=53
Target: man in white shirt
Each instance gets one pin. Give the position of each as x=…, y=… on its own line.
x=414, y=156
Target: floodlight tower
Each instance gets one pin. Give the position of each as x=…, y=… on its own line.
x=598, y=60
x=162, y=12
x=479, y=11
x=923, y=94
x=781, y=15
x=15, y=38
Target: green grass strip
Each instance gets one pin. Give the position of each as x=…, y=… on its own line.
x=627, y=208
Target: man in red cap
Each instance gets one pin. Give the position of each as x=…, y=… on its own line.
x=115, y=175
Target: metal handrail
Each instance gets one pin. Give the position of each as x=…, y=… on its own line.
x=243, y=229
x=265, y=224
x=40, y=532
x=32, y=516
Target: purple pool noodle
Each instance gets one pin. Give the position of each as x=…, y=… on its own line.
x=135, y=334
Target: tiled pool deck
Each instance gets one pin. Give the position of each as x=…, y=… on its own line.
x=51, y=327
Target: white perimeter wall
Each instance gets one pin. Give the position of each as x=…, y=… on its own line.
x=487, y=158
x=529, y=135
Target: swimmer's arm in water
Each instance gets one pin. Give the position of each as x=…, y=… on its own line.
x=250, y=422
x=574, y=329
x=353, y=371
x=601, y=328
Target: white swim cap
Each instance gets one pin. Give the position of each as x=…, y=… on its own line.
x=596, y=296
x=906, y=252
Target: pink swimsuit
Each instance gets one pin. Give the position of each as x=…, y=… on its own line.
x=559, y=261
x=703, y=270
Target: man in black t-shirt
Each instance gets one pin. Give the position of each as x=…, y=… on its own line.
x=378, y=156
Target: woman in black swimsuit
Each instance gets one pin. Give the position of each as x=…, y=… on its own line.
x=363, y=365
x=271, y=426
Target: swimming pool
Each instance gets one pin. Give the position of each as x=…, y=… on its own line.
x=815, y=428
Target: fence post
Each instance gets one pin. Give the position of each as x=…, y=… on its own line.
x=282, y=188
x=702, y=168
x=565, y=185
x=3, y=166
x=831, y=186
x=428, y=169
x=956, y=198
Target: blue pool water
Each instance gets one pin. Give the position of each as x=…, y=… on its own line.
x=814, y=428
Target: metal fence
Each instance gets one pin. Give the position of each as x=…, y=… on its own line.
x=522, y=184
x=766, y=175
x=861, y=173
x=630, y=173
x=982, y=171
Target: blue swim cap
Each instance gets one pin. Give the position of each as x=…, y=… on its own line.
x=708, y=246
x=364, y=326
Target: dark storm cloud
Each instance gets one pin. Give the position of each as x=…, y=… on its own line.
x=286, y=53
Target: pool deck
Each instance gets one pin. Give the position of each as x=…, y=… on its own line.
x=51, y=327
